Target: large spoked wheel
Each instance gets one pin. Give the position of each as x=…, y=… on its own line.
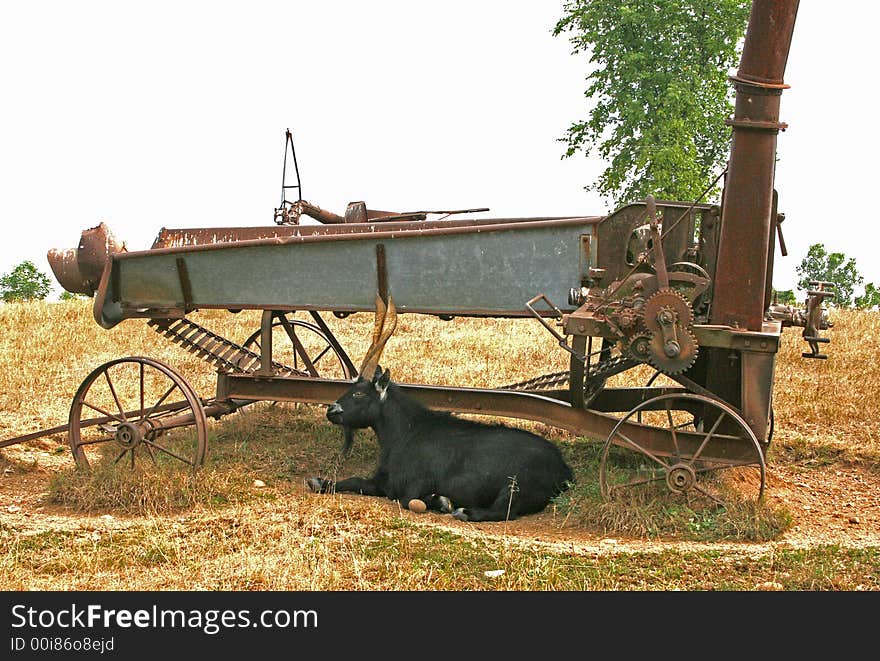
x=136, y=409
x=686, y=444
x=303, y=346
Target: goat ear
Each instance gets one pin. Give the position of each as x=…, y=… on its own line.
x=381, y=382
x=377, y=374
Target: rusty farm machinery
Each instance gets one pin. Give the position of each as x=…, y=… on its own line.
x=681, y=286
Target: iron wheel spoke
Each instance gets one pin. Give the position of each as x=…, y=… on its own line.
x=141, y=366
x=645, y=452
x=161, y=399
x=170, y=412
x=708, y=437
x=672, y=427
x=100, y=410
x=115, y=396
x=298, y=348
x=152, y=454
x=721, y=467
x=708, y=495
x=636, y=481
x=97, y=440
x=321, y=355
x=168, y=452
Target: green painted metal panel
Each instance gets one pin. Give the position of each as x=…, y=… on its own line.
x=476, y=271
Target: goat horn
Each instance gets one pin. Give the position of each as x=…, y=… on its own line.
x=379, y=321
x=386, y=322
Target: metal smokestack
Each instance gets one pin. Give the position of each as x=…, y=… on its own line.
x=747, y=210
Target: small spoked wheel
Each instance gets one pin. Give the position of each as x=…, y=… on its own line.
x=687, y=444
x=137, y=409
x=303, y=346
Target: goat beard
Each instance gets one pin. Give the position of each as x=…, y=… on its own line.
x=349, y=440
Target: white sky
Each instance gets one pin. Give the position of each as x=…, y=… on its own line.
x=172, y=114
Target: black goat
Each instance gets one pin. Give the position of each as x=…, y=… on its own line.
x=473, y=470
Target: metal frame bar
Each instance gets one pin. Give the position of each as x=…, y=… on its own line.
x=479, y=401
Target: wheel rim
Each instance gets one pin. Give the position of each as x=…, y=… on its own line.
x=315, y=354
x=697, y=464
x=136, y=409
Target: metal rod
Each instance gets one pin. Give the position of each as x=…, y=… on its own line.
x=337, y=347
x=266, y=342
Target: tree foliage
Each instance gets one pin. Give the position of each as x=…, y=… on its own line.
x=784, y=296
x=70, y=296
x=820, y=265
x=870, y=299
x=660, y=91
x=24, y=283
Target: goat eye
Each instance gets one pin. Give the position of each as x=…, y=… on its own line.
x=358, y=395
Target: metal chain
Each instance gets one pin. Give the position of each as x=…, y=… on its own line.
x=593, y=382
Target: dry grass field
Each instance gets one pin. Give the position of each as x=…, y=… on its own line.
x=247, y=522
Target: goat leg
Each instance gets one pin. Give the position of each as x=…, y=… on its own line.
x=437, y=503
x=320, y=485
x=427, y=502
x=362, y=485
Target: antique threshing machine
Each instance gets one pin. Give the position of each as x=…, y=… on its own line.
x=683, y=287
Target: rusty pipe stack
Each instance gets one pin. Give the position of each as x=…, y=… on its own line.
x=747, y=216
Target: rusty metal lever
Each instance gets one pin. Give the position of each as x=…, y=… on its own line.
x=559, y=338
x=779, y=218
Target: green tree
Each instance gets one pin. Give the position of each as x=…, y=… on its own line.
x=70, y=296
x=24, y=283
x=784, y=296
x=870, y=299
x=660, y=91
x=820, y=265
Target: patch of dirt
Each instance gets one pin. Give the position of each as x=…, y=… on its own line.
x=830, y=504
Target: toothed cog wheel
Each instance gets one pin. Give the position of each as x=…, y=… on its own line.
x=663, y=302
x=639, y=347
x=673, y=347
x=676, y=356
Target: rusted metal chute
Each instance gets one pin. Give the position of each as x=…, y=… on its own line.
x=79, y=269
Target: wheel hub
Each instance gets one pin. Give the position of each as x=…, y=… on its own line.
x=128, y=435
x=680, y=478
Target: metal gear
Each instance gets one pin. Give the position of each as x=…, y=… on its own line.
x=627, y=318
x=667, y=300
x=685, y=352
x=668, y=316
x=639, y=347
